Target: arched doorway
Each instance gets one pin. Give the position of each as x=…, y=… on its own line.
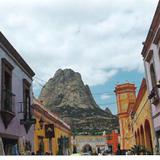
x=138, y=137
x=142, y=136
x=148, y=136
x=74, y=149
x=87, y=148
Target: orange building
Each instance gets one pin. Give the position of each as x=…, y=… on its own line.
x=112, y=141
x=126, y=97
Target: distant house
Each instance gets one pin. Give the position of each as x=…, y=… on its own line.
x=113, y=141
x=16, y=129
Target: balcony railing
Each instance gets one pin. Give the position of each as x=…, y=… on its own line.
x=154, y=97
x=8, y=101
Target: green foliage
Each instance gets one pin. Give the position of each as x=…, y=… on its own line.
x=140, y=150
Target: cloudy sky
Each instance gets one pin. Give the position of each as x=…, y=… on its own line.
x=101, y=39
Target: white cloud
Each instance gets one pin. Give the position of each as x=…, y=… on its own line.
x=96, y=38
x=105, y=97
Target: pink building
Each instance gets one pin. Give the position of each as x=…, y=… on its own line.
x=151, y=55
x=16, y=122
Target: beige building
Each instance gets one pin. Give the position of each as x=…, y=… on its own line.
x=89, y=143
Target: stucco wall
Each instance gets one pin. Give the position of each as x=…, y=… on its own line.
x=14, y=128
x=156, y=62
x=144, y=113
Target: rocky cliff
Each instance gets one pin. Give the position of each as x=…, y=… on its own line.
x=66, y=95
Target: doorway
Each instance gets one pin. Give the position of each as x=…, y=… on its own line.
x=10, y=146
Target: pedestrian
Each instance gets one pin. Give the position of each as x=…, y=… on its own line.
x=32, y=153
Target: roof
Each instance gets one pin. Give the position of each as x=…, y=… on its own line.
x=38, y=106
x=5, y=43
x=126, y=87
x=142, y=90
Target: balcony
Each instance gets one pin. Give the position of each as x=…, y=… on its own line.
x=27, y=120
x=7, y=109
x=154, y=97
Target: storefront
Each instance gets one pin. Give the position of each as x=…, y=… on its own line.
x=51, y=134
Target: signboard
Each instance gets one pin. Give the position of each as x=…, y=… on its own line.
x=49, y=131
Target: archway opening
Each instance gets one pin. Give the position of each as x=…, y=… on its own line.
x=87, y=148
x=142, y=136
x=136, y=138
x=148, y=137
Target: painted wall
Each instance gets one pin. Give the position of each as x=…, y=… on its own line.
x=14, y=128
x=143, y=113
x=59, y=131
x=156, y=62
x=113, y=141
x=125, y=94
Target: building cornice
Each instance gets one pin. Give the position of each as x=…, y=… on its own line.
x=152, y=31
x=6, y=45
x=37, y=107
x=140, y=95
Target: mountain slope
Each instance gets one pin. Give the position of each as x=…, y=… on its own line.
x=66, y=95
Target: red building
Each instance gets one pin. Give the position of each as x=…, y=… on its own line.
x=113, y=141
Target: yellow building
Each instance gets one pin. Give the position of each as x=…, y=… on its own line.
x=51, y=134
x=135, y=118
x=142, y=123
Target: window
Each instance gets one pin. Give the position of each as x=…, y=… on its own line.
x=26, y=99
x=159, y=53
x=153, y=75
x=154, y=97
x=8, y=97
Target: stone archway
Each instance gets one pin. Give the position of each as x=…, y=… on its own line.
x=142, y=141
x=148, y=136
x=87, y=148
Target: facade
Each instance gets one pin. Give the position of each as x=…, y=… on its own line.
x=87, y=143
x=16, y=122
x=141, y=120
x=137, y=125
x=51, y=134
x=112, y=141
x=126, y=97
x=151, y=58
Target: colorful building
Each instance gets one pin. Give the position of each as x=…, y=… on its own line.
x=141, y=120
x=16, y=122
x=51, y=134
x=112, y=141
x=151, y=58
x=126, y=97
x=136, y=125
